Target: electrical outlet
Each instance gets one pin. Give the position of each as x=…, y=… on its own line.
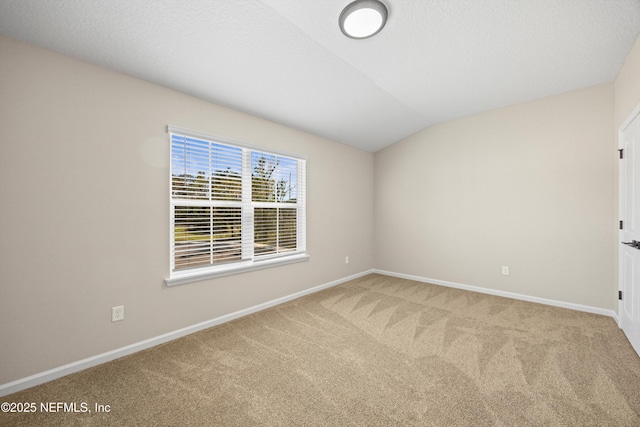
x=346, y=260
x=505, y=270
x=117, y=313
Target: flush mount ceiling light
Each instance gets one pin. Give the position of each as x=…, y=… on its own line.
x=363, y=18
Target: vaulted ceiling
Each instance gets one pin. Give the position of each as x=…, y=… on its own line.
x=287, y=60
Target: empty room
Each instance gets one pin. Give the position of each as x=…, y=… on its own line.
x=320, y=213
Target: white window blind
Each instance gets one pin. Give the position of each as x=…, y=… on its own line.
x=274, y=195
x=232, y=206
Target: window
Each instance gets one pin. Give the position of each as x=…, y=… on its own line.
x=234, y=207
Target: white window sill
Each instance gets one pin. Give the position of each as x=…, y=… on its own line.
x=227, y=270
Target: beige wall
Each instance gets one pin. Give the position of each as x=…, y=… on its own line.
x=627, y=86
x=529, y=186
x=85, y=211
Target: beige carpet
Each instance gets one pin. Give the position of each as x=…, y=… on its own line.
x=376, y=351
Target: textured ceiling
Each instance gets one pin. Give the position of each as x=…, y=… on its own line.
x=287, y=61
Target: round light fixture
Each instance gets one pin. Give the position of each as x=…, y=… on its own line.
x=363, y=18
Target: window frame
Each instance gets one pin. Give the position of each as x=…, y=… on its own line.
x=249, y=261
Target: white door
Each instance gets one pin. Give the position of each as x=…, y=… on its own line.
x=629, y=304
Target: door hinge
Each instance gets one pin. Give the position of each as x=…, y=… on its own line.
x=619, y=295
x=621, y=225
x=621, y=151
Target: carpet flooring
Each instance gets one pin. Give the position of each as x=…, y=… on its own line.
x=375, y=351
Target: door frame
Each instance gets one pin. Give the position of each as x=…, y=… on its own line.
x=634, y=114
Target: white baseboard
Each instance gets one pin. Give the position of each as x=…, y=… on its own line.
x=52, y=374
x=569, y=305
x=59, y=372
